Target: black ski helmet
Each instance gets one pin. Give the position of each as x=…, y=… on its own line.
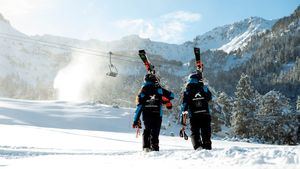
x=150, y=78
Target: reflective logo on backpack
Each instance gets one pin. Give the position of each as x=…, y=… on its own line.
x=152, y=97
x=152, y=102
x=198, y=102
x=198, y=95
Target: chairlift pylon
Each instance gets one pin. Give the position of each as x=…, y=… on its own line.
x=113, y=71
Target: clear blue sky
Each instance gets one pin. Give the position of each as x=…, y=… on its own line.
x=173, y=21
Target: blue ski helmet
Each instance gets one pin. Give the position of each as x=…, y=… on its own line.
x=195, y=78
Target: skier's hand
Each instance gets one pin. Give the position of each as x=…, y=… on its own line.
x=182, y=128
x=137, y=124
x=183, y=118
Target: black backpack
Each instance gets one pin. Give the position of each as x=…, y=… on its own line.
x=197, y=101
x=152, y=101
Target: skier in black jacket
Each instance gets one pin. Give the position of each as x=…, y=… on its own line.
x=149, y=104
x=195, y=104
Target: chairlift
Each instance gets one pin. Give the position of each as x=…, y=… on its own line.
x=113, y=71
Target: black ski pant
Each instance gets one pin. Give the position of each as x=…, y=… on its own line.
x=201, y=131
x=151, y=132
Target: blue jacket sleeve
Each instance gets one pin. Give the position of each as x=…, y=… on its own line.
x=208, y=95
x=168, y=94
x=137, y=113
x=139, y=107
x=184, y=104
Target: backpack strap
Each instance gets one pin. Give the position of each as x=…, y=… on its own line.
x=159, y=91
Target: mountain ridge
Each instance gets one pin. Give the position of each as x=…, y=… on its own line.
x=232, y=52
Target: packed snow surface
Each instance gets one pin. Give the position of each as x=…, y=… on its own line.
x=56, y=134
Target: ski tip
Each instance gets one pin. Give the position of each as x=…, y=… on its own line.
x=197, y=50
x=142, y=51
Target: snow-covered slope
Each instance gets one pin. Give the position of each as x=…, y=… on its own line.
x=233, y=36
x=55, y=134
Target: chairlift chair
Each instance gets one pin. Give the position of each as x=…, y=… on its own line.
x=113, y=71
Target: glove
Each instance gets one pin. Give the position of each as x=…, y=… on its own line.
x=169, y=105
x=167, y=102
x=183, y=134
x=137, y=124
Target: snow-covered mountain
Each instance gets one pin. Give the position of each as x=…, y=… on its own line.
x=228, y=38
x=27, y=66
x=233, y=36
x=33, y=63
x=26, y=58
x=271, y=59
x=128, y=44
x=5, y=27
x=52, y=134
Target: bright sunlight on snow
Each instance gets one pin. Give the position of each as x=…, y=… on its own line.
x=56, y=134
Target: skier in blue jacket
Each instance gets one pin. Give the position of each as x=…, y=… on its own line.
x=195, y=105
x=149, y=103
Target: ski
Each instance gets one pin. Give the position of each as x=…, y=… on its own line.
x=199, y=64
x=148, y=65
x=138, y=132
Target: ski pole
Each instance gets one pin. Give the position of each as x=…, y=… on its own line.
x=183, y=134
x=137, y=132
x=182, y=130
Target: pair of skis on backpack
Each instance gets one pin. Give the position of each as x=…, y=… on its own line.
x=150, y=69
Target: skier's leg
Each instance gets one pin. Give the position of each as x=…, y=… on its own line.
x=146, y=134
x=155, y=129
x=206, y=132
x=195, y=133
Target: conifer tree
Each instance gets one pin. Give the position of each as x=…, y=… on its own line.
x=244, y=107
x=277, y=123
x=226, y=107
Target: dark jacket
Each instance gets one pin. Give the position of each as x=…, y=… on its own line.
x=149, y=100
x=195, y=98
